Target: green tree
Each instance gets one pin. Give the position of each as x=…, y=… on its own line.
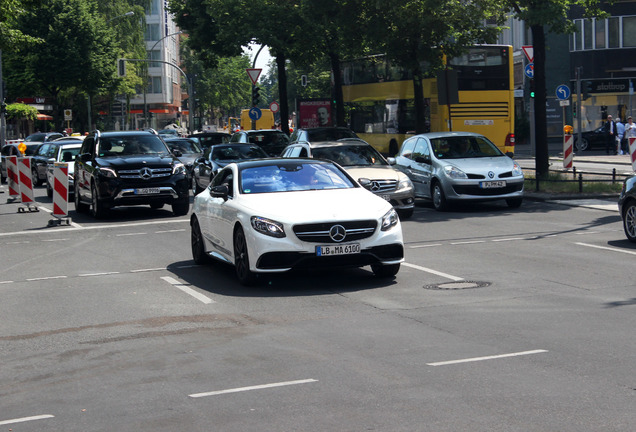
x=553, y=15
x=11, y=36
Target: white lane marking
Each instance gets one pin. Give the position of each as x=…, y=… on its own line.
x=510, y=239
x=77, y=227
x=26, y=419
x=46, y=278
x=131, y=234
x=630, y=252
x=18, y=242
x=587, y=232
x=257, y=387
x=468, y=242
x=425, y=246
x=169, y=231
x=435, y=272
x=475, y=359
x=98, y=274
x=197, y=295
x=55, y=240
x=6, y=282
x=148, y=270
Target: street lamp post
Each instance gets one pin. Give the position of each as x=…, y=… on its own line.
x=146, y=77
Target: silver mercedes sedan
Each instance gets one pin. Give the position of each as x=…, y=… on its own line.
x=448, y=167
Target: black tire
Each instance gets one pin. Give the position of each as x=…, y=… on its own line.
x=98, y=210
x=3, y=179
x=405, y=214
x=241, y=259
x=80, y=207
x=196, y=241
x=35, y=178
x=439, y=198
x=49, y=190
x=584, y=145
x=196, y=189
x=181, y=206
x=514, y=202
x=629, y=221
x=385, y=271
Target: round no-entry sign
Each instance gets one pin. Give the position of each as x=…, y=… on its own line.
x=274, y=107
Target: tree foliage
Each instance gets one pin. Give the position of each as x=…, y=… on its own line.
x=11, y=36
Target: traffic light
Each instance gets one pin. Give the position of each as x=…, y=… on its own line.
x=255, y=95
x=586, y=89
x=531, y=88
x=121, y=67
x=3, y=107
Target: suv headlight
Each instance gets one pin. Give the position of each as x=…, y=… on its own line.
x=268, y=227
x=389, y=220
x=108, y=172
x=179, y=168
x=454, y=172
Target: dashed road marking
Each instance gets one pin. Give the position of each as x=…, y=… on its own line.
x=98, y=274
x=256, y=387
x=493, y=357
x=630, y=252
x=435, y=272
x=148, y=270
x=197, y=295
x=47, y=278
x=26, y=419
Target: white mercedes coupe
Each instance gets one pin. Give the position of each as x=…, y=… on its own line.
x=275, y=215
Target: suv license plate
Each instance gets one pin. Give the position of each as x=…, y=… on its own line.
x=147, y=191
x=345, y=249
x=492, y=184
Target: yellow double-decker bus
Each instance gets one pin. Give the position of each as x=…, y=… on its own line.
x=381, y=108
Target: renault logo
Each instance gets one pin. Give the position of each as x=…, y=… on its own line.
x=337, y=233
x=491, y=174
x=145, y=173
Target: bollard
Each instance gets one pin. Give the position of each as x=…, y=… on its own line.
x=26, y=185
x=567, y=147
x=60, y=194
x=580, y=183
x=632, y=152
x=12, y=178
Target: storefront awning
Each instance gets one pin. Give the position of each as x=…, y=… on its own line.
x=44, y=117
x=136, y=111
x=160, y=111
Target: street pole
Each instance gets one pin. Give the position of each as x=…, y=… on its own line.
x=579, y=102
x=254, y=85
x=3, y=123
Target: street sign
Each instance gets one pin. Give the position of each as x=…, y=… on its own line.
x=528, y=50
x=563, y=92
x=255, y=113
x=253, y=74
x=564, y=102
x=68, y=115
x=274, y=107
x=529, y=70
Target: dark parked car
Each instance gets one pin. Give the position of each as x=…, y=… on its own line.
x=216, y=157
x=591, y=139
x=627, y=208
x=129, y=168
x=321, y=134
x=65, y=151
x=40, y=160
x=186, y=149
x=207, y=139
x=12, y=150
x=273, y=141
x=40, y=137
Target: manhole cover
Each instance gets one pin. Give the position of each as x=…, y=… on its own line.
x=458, y=285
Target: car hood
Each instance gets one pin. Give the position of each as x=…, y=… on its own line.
x=315, y=206
x=373, y=172
x=136, y=161
x=480, y=165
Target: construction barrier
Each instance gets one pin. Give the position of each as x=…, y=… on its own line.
x=12, y=178
x=26, y=184
x=568, y=152
x=632, y=152
x=60, y=194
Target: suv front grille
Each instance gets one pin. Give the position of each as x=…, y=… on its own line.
x=145, y=173
x=319, y=232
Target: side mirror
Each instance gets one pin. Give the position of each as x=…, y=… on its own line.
x=177, y=152
x=423, y=159
x=221, y=191
x=391, y=160
x=85, y=157
x=365, y=183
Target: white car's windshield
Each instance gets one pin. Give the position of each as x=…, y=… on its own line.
x=297, y=176
x=462, y=147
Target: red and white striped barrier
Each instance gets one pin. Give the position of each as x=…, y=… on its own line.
x=26, y=184
x=12, y=177
x=568, y=152
x=632, y=152
x=60, y=190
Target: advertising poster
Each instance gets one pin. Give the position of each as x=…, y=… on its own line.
x=314, y=113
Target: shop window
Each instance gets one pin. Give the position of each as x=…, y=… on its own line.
x=613, y=32
x=629, y=31
x=599, y=34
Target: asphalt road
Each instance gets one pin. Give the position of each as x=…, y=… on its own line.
x=500, y=320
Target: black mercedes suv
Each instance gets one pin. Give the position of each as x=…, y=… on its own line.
x=129, y=168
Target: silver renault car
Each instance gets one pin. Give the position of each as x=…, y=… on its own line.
x=460, y=166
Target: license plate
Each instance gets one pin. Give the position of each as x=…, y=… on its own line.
x=492, y=184
x=147, y=191
x=345, y=249
x=386, y=197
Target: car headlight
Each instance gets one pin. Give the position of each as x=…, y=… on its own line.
x=178, y=168
x=268, y=226
x=516, y=170
x=405, y=183
x=108, y=172
x=454, y=172
x=389, y=220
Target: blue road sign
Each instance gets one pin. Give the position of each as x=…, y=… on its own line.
x=529, y=70
x=563, y=92
x=255, y=113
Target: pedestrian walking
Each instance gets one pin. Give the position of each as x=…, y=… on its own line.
x=610, y=139
x=620, y=131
